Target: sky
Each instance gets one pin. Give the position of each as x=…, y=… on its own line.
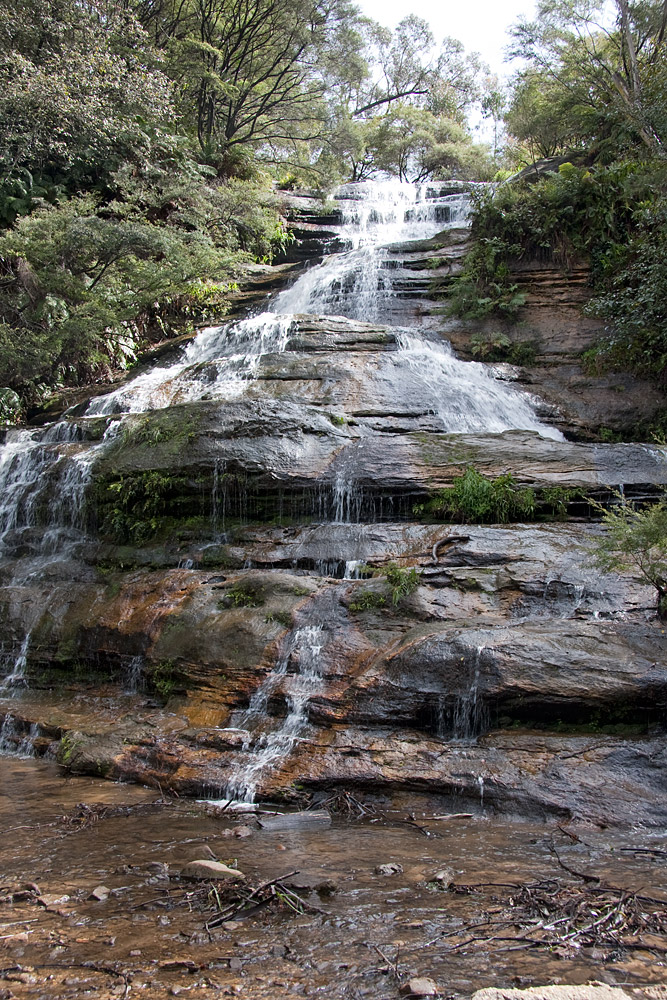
x=480, y=24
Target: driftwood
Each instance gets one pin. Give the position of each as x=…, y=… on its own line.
x=550, y=914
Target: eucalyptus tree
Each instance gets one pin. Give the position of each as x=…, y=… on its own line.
x=393, y=98
x=610, y=74
x=245, y=69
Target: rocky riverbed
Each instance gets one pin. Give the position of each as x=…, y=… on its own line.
x=96, y=898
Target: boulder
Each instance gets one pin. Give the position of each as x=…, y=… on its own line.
x=206, y=869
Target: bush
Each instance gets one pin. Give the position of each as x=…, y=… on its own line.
x=474, y=499
x=636, y=540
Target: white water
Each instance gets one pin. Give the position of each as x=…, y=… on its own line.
x=222, y=361
x=302, y=653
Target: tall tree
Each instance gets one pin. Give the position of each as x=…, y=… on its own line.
x=616, y=73
x=244, y=68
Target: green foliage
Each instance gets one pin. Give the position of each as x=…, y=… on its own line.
x=402, y=580
x=474, y=499
x=589, y=83
x=632, y=299
x=135, y=508
x=636, y=540
x=498, y=347
x=164, y=678
x=553, y=501
x=244, y=594
x=613, y=217
x=367, y=600
x=69, y=744
x=283, y=617
x=80, y=93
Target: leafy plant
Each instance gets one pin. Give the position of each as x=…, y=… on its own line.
x=402, y=580
x=498, y=347
x=243, y=595
x=474, y=499
x=367, y=600
x=636, y=539
x=164, y=677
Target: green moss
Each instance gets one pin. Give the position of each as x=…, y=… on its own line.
x=244, y=594
x=175, y=426
x=282, y=617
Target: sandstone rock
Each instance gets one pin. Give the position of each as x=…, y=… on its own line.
x=100, y=893
x=419, y=987
x=205, y=869
x=49, y=899
x=392, y=868
x=593, y=991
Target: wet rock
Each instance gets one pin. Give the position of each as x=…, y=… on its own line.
x=317, y=819
x=443, y=877
x=419, y=987
x=242, y=831
x=100, y=893
x=49, y=899
x=314, y=881
x=179, y=963
x=528, y=671
x=592, y=991
x=392, y=868
x=206, y=869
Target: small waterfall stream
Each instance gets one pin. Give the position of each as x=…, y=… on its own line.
x=301, y=652
x=44, y=473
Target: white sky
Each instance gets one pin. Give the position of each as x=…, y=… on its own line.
x=480, y=24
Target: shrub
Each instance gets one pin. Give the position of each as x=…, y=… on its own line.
x=636, y=539
x=474, y=499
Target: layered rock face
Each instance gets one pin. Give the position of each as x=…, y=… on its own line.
x=219, y=576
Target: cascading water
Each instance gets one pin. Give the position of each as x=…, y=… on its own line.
x=222, y=361
x=44, y=473
x=302, y=652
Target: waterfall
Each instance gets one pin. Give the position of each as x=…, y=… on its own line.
x=301, y=652
x=221, y=362
x=44, y=473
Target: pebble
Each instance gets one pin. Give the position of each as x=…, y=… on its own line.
x=444, y=878
x=100, y=893
x=242, y=831
x=393, y=868
x=135, y=953
x=420, y=987
x=205, y=869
